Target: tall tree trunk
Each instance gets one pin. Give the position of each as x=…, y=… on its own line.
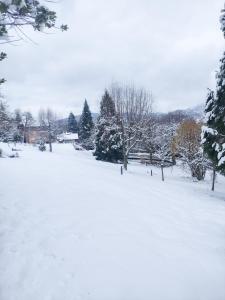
x=24, y=135
x=124, y=148
x=173, y=160
x=125, y=161
x=150, y=157
x=50, y=139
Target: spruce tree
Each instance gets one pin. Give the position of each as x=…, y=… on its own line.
x=213, y=137
x=18, y=117
x=108, y=142
x=86, y=124
x=5, y=122
x=72, y=124
x=107, y=106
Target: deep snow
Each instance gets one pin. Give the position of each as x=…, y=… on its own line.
x=72, y=228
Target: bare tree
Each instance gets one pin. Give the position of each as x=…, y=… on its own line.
x=164, y=140
x=27, y=121
x=47, y=118
x=149, y=140
x=134, y=110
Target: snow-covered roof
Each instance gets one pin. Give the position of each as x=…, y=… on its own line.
x=68, y=136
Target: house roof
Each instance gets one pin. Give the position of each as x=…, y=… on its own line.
x=67, y=136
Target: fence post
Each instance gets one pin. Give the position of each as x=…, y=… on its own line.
x=151, y=173
x=162, y=172
x=121, y=170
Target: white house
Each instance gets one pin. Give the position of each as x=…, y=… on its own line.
x=68, y=137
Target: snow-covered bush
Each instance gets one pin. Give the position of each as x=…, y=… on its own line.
x=42, y=146
x=17, y=137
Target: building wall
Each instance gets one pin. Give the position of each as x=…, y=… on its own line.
x=34, y=136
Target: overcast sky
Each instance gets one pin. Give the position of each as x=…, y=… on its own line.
x=171, y=48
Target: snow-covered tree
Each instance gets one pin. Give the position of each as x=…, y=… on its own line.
x=72, y=124
x=5, y=121
x=107, y=106
x=20, y=13
x=163, y=141
x=108, y=142
x=18, y=116
x=27, y=121
x=47, y=119
x=189, y=149
x=149, y=140
x=15, y=14
x=17, y=127
x=42, y=146
x=86, y=127
x=17, y=136
x=213, y=133
x=134, y=108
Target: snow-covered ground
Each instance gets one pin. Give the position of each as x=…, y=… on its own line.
x=72, y=228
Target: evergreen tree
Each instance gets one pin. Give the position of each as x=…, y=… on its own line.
x=72, y=124
x=107, y=106
x=17, y=136
x=213, y=135
x=5, y=121
x=18, y=116
x=17, y=133
x=108, y=142
x=86, y=125
x=20, y=13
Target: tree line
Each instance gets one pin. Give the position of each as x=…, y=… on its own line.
x=14, y=126
x=126, y=125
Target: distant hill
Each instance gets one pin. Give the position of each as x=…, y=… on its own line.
x=175, y=116
x=62, y=123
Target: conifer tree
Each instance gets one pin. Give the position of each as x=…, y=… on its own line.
x=72, y=124
x=107, y=106
x=86, y=124
x=18, y=116
x=5, y=122
x=108, y=142
x=213, y=135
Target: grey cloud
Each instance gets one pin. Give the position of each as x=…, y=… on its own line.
x=170, y=47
